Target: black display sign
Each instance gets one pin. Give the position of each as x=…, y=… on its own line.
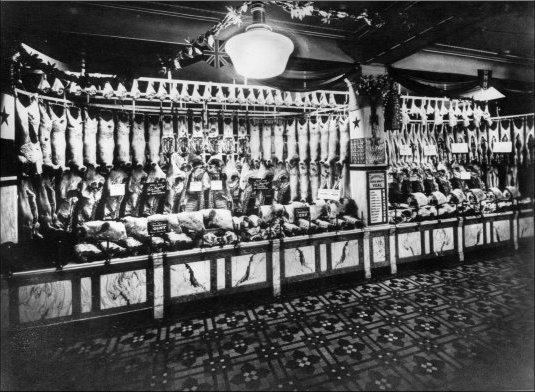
x=156, y=188
x=358, y=151
x=301, y=213
x=157, y=227
x=261, y=184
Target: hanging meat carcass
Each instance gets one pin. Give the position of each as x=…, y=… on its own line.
x=244, y=147
x=75, y=141
x=106, y=142
x=228, y=137
x=152, y=201
x=294, y=180
x=28, y=212
x=267, y=128
x=155, y=134
x=57, y=139
x=255, y=143
x=175, y=184
x=314, y=128
x=92, y=187
x=135, y=185
x=139, y=143
x=324, y=139
x=291, y=140
x=217, y=196
x=344, y=140
x=30, y=155
x=197, y=138
x=278, y=134
x=334, y=140
x=196, y=184
x=115, y=192
x=68, y=196
x=232, y=182
x=281, y=184
x=123, y=140
x=304, y=181
x=45, y=130
x=183, y=137
x=90, y=139
x=315, y=171
x=302, y=140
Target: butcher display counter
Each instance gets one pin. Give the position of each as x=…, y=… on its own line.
x=156, y=282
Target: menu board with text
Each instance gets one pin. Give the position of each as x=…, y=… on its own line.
x=377, y=206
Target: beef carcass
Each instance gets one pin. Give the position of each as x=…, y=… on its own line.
x=315, y=170
x=302, y=140
x=90, y=139
x=123, y=140
x=294, y=180
x=106, y=142
x=155, y=135
x=248, y=171
x=75, y=141
x=304, y=181
x=334, y=140
x=291, y=140
x=344, y=140
x=152, y=202
x=28, y=212
x=30, y=154
x=278, y=133
x=266, y=140
x=139, y=143
x=90, y=195
x=255, y=143
x=217, y=196
x=175, y=184
x=232, y=182
x=57, y=139
x=45, y=130
x=115, y=192
x=314, y=141
x=68, y=196
x=324, y=139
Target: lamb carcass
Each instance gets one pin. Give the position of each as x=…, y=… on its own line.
x=75, y=141
x=244, y=147
x=302, y=137
x=30, y=154
x=123, y=140
x=197, y=138
x=304, y=181
x=324, y=139
x=228, y=136
x=314, y=141
x=266, y=140
x=139, y=143
x=278, y=132
x=90, y=139
x=57, y=139
x=315, y=169
x=334, y=140
x=106, y=142
x=294, y=180
x=344, y=140
x=255, y=140
x=291, y=140
x=155, y=134
x=175, y=184
x=45, y=130
x=29, y=215
x=183, y=138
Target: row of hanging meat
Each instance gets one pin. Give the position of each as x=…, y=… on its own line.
x=192, y=93
x=420, y=143
x=81, y=140
x=451, y=112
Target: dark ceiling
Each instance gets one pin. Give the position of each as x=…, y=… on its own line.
x=126, y=37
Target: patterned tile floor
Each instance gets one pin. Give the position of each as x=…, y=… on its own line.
x=459, y=327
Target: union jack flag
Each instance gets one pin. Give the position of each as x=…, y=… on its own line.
x=217, y=57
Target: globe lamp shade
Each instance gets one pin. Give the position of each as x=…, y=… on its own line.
x=259, y=53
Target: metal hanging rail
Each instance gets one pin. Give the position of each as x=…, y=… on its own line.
x=512, y=116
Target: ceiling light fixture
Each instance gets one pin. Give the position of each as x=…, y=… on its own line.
x=259, y=53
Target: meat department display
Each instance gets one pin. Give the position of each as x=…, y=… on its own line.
x=109, y=178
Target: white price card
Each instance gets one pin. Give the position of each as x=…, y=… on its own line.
x=117, y=189
x=430, y=150
x=195, y=186
x=459, y=148
x=216, y=185
x=329, y=194
x=405, y=150
x=465, y=175
x=502, y=147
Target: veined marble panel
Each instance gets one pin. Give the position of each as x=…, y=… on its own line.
x=443, y=239
x=248, y=269
x=323, y=257
x=123, y=289
x=409, y=244
x=220, y=274
x=502, y=230
x=345, y=254
x=525, y=227
x=299, y=261
x=379, y=249
x=85, y=294
x=45, y=301
x=190, y=278
x=473, y=235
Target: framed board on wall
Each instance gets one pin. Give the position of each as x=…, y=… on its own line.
x=377, y=198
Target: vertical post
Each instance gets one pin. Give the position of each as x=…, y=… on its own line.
x=157, y=279
x=392, y=244
x=276, y=267
x=460, y=238
x=515, y=229
x=367, y=264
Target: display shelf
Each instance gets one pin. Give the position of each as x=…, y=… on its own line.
x=160, y=280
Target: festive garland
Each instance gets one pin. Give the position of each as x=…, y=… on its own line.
x=297, y=10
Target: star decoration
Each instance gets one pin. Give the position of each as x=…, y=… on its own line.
x=356, y=122
x=4, y=116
